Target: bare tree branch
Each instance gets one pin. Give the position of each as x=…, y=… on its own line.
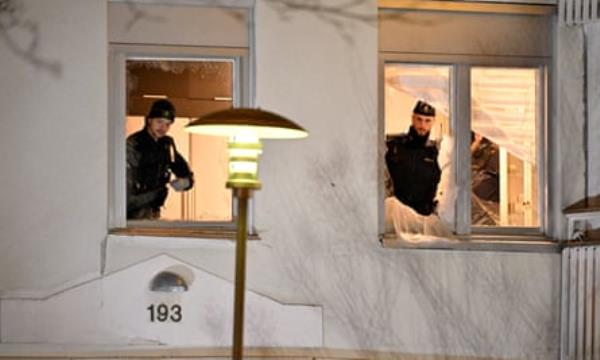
x=336, y=15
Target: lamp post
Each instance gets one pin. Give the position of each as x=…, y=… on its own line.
x=244, y=127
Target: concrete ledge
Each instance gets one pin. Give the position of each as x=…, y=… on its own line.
x=479, y=243
x=39, y=351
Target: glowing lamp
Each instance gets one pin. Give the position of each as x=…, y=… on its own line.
x=244, y=127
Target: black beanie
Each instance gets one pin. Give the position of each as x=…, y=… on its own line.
x=423, y=108
x=162, y=109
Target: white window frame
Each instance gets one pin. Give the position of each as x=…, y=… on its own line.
x=460, y=125
x=118, y=56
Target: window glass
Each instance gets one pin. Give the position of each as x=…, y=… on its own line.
x=405, y=84
x=504, y=118
x=194, y=88
x=420, y=196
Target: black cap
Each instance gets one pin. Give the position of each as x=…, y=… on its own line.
x=423, y=108
x=162, y=109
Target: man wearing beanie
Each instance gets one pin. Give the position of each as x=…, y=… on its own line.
x=412, y=162
x=151, y=159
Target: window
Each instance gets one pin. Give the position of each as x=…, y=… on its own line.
x=486, y=73
x=196, y=81
x=505, y=141
x=505, y=123
x=405, y=84
x=195, y=56
x=195, y=88
x=503, y=164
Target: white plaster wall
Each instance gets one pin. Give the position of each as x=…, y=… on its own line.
x=317, y=212
x=175, y=24
x=54, y=153
x=114, y=310
x=317, y=217
x=593, y=31
x=569, y=116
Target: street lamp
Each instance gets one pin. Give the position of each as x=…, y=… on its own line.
x=244, y=127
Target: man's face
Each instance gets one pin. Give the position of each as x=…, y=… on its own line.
x=422, y=123
x=158, y=127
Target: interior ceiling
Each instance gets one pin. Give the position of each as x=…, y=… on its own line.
x=194, y=87
x=503, y=101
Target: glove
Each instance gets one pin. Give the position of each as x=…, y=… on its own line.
x=181, y=184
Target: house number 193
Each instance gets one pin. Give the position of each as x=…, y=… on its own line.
x=162, y=313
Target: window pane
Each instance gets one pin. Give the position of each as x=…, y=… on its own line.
x=407, y=83
x=504, y=110
x=415, y=168
x=194, y=88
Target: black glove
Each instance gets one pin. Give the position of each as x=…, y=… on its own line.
x=183, y=183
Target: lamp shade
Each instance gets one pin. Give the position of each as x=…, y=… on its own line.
x=260, y=123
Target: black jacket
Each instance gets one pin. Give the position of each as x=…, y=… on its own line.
x=484, y=171
x=149, y=166
x=412, y=163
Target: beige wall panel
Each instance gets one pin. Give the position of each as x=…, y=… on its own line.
x=465, y=34
x=136, y=23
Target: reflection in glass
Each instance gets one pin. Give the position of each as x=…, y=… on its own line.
x=504, y=105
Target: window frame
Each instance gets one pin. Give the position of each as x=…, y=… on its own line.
x=460, y=125
x=119, y=54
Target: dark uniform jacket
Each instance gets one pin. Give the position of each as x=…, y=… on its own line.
x=149, y=166
x=412, y=164
x=484, y=171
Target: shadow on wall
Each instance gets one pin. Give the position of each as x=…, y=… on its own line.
x=14, y=27
x=22, y=35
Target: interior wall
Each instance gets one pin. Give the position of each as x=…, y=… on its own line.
x=54, y=146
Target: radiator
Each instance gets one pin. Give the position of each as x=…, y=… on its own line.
x=572, y=12
x=580, y=303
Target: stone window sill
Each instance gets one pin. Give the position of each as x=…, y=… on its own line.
x=504, y=243
x=215, y=233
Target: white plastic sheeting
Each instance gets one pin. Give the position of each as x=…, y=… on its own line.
x=504, y=101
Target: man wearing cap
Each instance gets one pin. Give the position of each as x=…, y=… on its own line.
x=151, y=159
x=412, y=162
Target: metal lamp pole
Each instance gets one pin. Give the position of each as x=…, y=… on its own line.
x=242, y=196
x=245, y=127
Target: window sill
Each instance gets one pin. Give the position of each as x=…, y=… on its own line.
x=504, y=243
x=201, y=233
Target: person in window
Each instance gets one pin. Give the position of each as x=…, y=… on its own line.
x=485, y=195
x=151, y=159
x=412, y=164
